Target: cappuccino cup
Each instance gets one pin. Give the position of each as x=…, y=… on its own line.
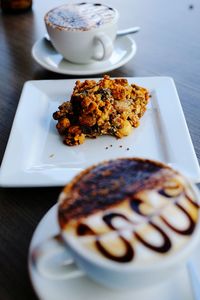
x=126, y=223
x=83, y=32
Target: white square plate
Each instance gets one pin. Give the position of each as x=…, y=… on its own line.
x=36, y=156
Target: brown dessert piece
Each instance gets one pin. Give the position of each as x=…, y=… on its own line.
x=109, y=106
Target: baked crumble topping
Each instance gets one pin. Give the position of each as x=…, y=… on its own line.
x=104, y=107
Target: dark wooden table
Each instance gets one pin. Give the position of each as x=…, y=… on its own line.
x=168, y=45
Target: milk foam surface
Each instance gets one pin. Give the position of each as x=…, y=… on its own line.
x=142, y=228
x=82, y=17
x=111, y=238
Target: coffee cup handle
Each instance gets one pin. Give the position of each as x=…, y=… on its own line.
x=107, y=45
x=52, y=260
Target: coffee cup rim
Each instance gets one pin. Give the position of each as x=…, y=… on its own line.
x=65, y=29
x=171, y=260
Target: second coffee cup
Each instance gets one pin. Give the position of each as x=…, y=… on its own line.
x=83, y=32
x=126, y=223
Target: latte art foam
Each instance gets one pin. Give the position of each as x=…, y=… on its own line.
x=129, y=211
x=82, y=16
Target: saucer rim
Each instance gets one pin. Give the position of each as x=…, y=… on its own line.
x=129, y=55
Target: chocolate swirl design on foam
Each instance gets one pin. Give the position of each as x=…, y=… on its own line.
x=129, y=251
x=126, y=257
x=103, y=187
x=188, y=230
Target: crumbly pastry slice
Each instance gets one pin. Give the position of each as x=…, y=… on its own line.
x=109, y=106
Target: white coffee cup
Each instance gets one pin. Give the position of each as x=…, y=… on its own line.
x=64, y=257
x=83, y=33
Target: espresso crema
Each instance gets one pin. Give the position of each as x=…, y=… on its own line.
x=129, y=211
x=81, y=16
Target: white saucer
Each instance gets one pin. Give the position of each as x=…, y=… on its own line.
x=47, y=56
x=177, y=287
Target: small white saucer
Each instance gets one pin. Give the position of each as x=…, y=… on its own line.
x=176, y=287
x=44, y=53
